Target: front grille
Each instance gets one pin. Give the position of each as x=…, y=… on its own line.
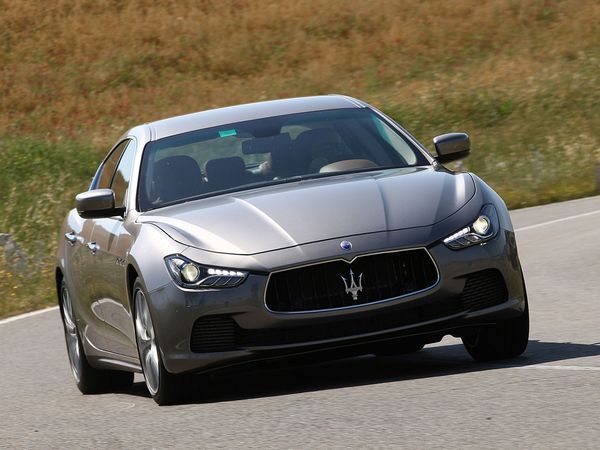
x=484, y=289
x=322, y=286
x=221, y=333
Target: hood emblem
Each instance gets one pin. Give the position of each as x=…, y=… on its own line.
x=353, y=289
x=346, y=245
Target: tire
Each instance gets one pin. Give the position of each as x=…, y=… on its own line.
x=400, y=348
x=89, y=380
x=164, y=387
x=504, y=340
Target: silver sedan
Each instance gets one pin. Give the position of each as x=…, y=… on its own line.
x=312, y=225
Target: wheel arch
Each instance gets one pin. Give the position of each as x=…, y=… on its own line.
x=132, y=275
x=58, y=278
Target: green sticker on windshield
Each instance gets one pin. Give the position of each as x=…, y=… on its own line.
x=226, y=133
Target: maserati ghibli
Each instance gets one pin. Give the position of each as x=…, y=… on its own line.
x=267, y=230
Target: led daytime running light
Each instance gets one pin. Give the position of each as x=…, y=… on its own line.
x=481, y=230
x=189, y=274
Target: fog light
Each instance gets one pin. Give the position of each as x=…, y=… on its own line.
x=481, y=225
x=190, y=273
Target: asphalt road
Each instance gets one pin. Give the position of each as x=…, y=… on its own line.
x=439, y=398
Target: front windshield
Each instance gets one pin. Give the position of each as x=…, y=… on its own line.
x=272, y=150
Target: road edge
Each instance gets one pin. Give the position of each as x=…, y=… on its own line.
x=27, y=314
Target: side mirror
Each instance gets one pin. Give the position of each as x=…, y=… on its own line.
x=97, y=203
x=452, y=146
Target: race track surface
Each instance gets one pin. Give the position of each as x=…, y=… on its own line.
x=438, y=398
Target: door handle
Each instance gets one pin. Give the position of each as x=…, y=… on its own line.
x=71, y=238
x=93, y=247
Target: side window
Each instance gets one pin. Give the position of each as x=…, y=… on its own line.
x=120, y=181
x=109, y=166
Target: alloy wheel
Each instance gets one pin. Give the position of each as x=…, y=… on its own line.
x=146, y=340
x=73, y=344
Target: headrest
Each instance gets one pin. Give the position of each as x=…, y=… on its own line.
x=177, y=167
x=267, y=144
x=177, y=177
x=224, y=173
x=318, y=135
x=214, y=167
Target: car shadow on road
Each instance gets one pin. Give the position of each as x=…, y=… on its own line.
x=306, y=375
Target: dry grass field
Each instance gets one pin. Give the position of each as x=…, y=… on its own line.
x=522, y=77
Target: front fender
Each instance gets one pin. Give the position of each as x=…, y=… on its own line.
x=147, y=255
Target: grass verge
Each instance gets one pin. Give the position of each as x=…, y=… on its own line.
x=38, y=184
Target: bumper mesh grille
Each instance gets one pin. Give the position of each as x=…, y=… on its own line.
x=213, y=334
x=323, y=286
x=484, y=289
x=221, y=333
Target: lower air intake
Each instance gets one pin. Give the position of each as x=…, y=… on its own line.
x=213, y=334
x=484, y=289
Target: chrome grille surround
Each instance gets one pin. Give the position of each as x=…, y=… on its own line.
x=349, y=263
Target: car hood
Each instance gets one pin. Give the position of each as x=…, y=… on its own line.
x=340, y=206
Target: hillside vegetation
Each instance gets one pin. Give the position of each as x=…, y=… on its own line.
x=521, y=77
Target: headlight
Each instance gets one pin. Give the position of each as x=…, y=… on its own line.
x=188, y=274
x=484, y=228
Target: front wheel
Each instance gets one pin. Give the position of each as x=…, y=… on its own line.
x=89, y=379
x=506, y=339
x=164, y=387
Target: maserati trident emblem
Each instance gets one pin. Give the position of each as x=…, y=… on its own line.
x=353, y=289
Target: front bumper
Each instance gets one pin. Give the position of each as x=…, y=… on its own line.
x=261, y=334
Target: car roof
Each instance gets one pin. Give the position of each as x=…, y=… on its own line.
x=221, y=116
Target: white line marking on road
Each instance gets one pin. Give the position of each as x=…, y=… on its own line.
x=541, y=366
x=550, y=222
x=26, y=315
